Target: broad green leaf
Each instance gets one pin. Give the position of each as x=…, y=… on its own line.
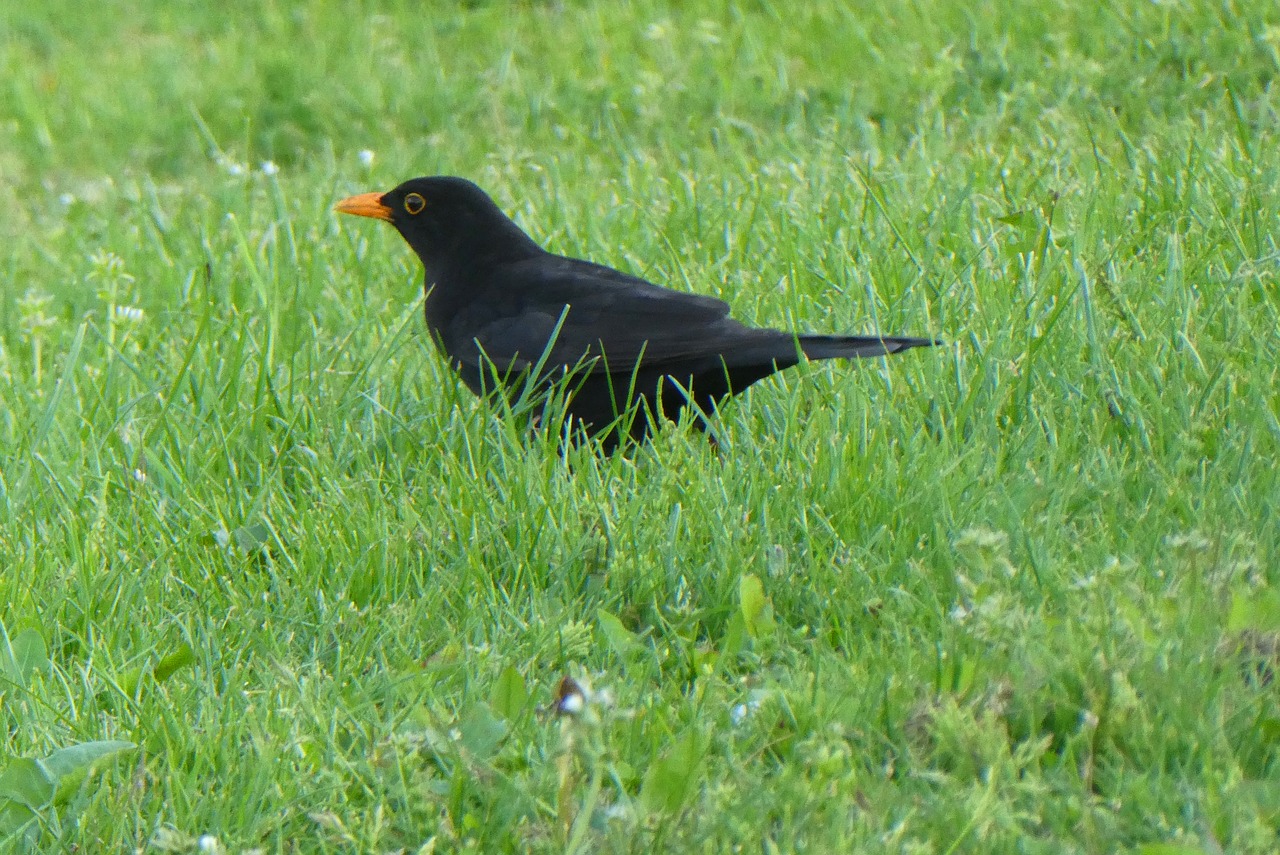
x=68, y=766
x=482, y=732
x=757, y=611
x=27, y=782
x=1257, y=610
x=622, y=640
x=735, y=635
x=163, y=669
x=25, y=787
x=28, y=785
x=252, y=537
x=673, y=777
x=509, y=694
x=16, y=817
x=30, y=653
x=168, y=665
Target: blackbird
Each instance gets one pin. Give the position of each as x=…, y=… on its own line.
x=511, y=316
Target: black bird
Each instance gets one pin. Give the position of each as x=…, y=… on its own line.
x=505, y=311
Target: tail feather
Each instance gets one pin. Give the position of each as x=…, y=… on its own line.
x=858, y=346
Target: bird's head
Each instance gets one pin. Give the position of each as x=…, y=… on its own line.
x=447, y=221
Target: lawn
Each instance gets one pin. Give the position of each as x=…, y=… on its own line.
x=272, y=580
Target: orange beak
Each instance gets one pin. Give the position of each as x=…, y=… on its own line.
x=365, y=205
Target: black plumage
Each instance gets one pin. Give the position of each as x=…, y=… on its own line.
x=499, y=306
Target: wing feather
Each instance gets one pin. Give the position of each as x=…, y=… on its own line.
x=587, y=311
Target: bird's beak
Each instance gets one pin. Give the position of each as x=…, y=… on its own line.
x=365, y=205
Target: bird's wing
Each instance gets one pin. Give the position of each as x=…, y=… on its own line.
x=609, y=319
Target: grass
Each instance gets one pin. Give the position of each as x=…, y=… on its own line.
x=1015, y=594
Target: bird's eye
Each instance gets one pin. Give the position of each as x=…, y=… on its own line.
x=413, y=203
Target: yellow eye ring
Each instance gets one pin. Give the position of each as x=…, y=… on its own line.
x=413, y=203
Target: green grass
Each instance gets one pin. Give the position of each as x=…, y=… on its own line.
x=1017, y=594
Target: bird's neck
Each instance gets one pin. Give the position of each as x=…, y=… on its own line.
x=458, y=267
x=470, y=263
x=474, y=248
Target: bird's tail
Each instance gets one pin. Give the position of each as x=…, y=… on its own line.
x=858, y=346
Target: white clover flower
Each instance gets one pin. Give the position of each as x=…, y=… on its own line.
x=233, y=167
x=740, y=712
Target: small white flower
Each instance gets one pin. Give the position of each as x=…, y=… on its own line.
x=140, y=476
x=269, y=167
x=366, y=156
x=129, y=313
x=209, y=843
x=739, y=713
x=572, y=704
x=233, y=167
